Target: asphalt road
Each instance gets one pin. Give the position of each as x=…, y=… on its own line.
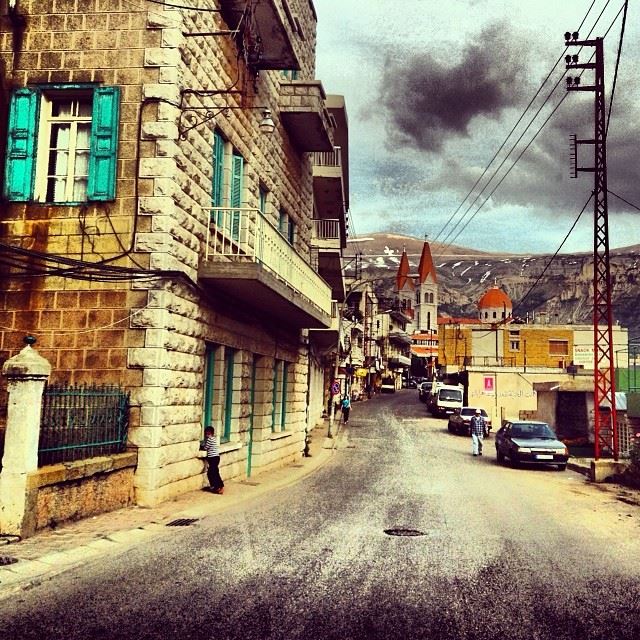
x=503, y=553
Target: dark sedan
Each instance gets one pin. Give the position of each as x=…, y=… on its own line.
x=529, y=442
x=460, y=421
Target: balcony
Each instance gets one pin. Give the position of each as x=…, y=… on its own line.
x=248, y=259
x=400, y=337
x=327, y=339
x=266, y=36
x=327, y=254
x=329, y=185
x=304, y=115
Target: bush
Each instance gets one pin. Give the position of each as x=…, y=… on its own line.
x=632, y=474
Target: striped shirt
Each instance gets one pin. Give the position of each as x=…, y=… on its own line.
x=212, y=446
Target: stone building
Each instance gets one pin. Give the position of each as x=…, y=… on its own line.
x=159, y=226
x=525, y=369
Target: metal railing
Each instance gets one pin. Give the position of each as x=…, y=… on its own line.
x=328, y=158
x=328, y=229
x=81, y=422
x=244, y=234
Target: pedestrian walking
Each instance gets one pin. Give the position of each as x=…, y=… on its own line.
x=346, y=409
x=478, y=430
x=211, y=445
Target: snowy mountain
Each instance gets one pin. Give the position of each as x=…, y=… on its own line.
x=561, y=286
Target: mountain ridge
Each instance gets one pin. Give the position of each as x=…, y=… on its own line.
x=561, y=286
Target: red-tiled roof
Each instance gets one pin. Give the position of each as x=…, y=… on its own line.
x=495, y=298
x=402, y=279
x=426, y=265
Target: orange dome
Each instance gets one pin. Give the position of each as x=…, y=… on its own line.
x=495, y=298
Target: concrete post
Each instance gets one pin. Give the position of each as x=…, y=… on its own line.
x=26, y=375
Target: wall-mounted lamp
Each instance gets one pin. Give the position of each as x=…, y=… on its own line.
x=192, y=117
x=267, y=125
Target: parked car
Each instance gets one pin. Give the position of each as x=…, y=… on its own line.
x=412, y=384
x=424, y=391
x=388, y=385
x=526, y=441
x=460, y=421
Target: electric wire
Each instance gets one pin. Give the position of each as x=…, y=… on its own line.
x=468, y=221
x=181, y=6
x=513, y=128
x=446, y=242
x=555, y=255
x=613, y=193
x=615, y=73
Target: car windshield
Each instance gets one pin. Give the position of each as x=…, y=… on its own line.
x=530, y=431
x=470, y=411
x=450, y=394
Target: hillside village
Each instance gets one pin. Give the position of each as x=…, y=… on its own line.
x=191, y=267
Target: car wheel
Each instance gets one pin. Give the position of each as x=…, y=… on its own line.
x=514, y=461
x=499, y=456
x=450, y=427
x=562, y=467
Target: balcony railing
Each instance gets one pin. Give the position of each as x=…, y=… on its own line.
x=245, y=235
x=326, y=229
x=328, y=158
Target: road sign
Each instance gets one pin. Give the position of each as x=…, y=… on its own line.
x=335, y=387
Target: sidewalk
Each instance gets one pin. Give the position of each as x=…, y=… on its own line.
x=52, y=551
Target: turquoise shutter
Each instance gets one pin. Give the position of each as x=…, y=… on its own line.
x=218, y=176
x=210, y=361
x=103, y=156
x=237, y=170
x=21, y=145
x=283, y=413
x=263, y=202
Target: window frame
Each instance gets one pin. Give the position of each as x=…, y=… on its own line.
x=558, y=342
x=28, y=142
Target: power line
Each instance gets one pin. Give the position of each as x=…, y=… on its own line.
x=615, y=74
x=535, y=284
x=181, y=6
x=515, y=126
x=495, y=172
x=514, y=146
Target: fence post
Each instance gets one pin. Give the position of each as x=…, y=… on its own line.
x=26, y=374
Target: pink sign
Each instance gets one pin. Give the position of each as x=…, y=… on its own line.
x=488, y=383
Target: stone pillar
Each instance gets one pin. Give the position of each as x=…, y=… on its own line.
x=26, y=375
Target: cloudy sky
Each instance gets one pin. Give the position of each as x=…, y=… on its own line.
x=433, y=88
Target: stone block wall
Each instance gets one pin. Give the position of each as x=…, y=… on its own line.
x=150, y=336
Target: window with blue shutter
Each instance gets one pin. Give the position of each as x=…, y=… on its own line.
x=62, y=144
x=262, y=203
x=237, y=171
x=218, y=177
x=104, y=144
x=21, y=145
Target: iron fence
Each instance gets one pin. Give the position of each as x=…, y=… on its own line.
x=81, y=422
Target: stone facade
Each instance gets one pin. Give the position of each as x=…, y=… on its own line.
x=153, y=335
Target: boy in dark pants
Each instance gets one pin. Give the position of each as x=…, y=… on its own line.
x=212, y=447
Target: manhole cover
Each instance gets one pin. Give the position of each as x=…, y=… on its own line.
x=182, y=522
x=5, y=560
x=404, y=532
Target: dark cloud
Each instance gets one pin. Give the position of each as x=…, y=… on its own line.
x=428, y=101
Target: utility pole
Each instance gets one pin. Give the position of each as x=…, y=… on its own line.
x=606, y=425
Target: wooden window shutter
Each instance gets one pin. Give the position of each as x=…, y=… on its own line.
x=21, y=145
x=103, y=158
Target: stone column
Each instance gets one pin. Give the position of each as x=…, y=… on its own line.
x=26, y=375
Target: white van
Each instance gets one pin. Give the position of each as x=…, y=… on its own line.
x=388, y=385
x=445, y=400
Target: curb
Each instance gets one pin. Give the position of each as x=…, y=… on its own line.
x=22, y=574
